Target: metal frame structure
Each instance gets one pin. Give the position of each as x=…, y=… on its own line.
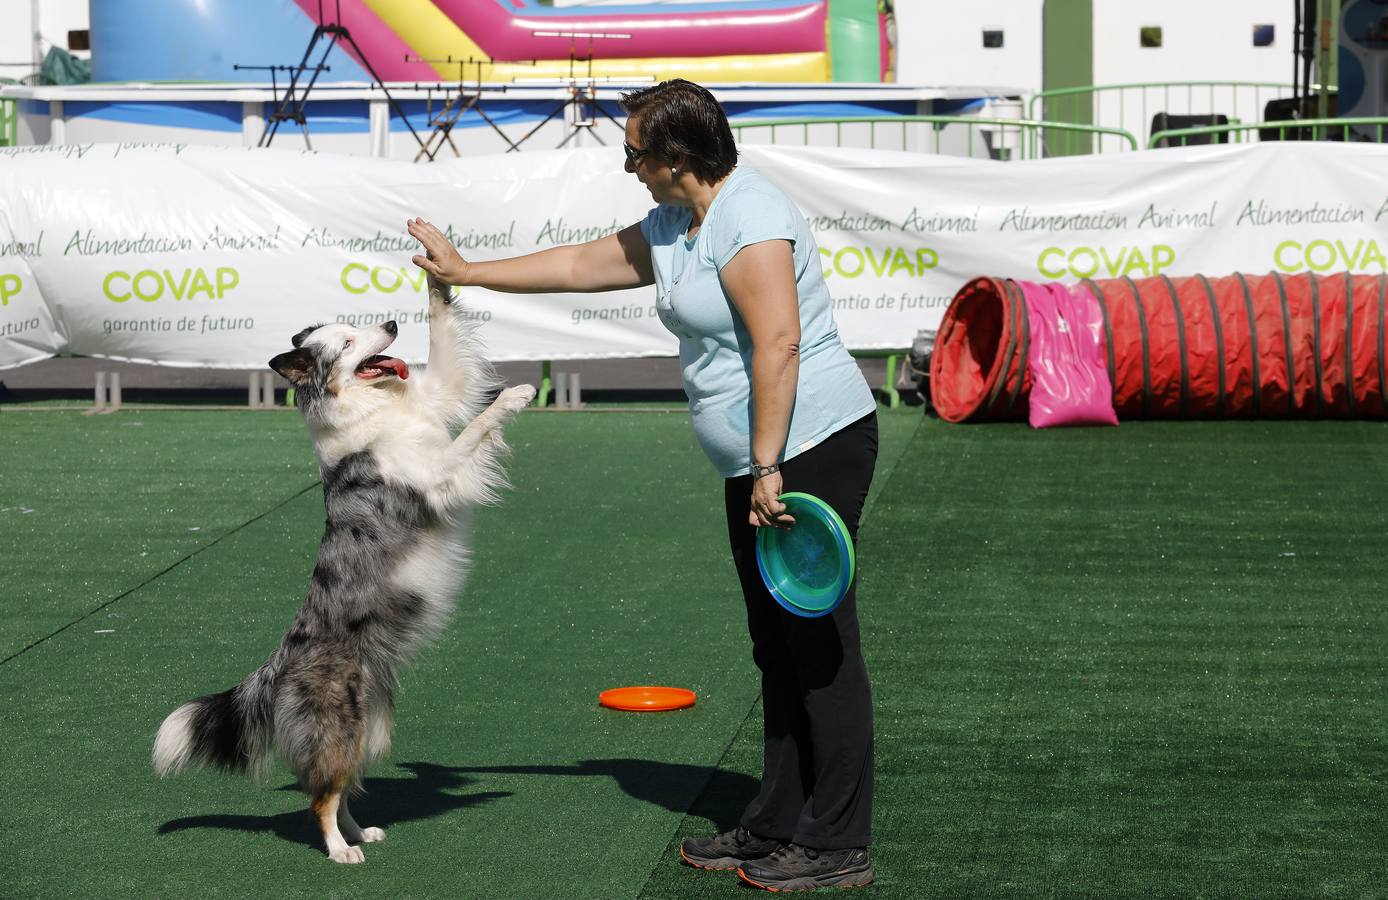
x=1205, y=96
x=1001, y=138
x=290, y=108
x=1310, y=130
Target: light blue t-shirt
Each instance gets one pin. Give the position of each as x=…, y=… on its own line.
x=715, y=348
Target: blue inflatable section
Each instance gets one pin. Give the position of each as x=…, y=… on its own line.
x=188, y=40
x=202, y=116
x=350, y=116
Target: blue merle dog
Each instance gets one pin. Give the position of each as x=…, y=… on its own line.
x=398, y=486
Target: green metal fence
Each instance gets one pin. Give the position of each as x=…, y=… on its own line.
x=1134, y=105
x=9, y=123
x=1372, y=129
x=993, y=138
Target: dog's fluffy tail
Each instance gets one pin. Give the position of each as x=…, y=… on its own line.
x=230, y=731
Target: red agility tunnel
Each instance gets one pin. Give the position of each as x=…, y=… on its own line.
x=1242, y=346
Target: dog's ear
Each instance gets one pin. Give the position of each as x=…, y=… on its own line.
x=293, y=365
x=298, y=339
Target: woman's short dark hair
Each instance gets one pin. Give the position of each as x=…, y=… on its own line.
x=681, y=120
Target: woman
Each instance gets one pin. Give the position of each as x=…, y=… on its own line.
x=778, y=405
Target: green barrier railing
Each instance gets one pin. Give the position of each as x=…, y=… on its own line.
x=1362, y=128
x=993, y=137
x=1113, y=103
x=894, y=358
x=9, y=123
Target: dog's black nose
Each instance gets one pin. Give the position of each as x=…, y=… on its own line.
x=391, y=328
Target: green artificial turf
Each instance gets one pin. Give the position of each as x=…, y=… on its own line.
x=605, y=565
x=1133, y=662
x=93, y=506
x=1143, y=661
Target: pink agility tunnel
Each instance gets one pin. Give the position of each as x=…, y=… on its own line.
x=1240, y=346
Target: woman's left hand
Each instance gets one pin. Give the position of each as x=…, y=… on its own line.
x=767, y=509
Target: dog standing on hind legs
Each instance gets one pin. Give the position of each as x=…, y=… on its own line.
x=398, y=488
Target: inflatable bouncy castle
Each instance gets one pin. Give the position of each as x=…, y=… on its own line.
x=716, y=41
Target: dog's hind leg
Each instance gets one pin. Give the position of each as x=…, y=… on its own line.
x=326, y=808
x=324, y=739
x=379, y=718
x=354, y=833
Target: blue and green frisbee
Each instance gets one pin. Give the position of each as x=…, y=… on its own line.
x=809, y=567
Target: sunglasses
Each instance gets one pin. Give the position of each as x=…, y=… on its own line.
x=633, y=154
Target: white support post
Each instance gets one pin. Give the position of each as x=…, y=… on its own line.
x=561, y=390
x=378, y=112
x=107, y=396
x=253, y=391
x=267, y=391
x=57, y=124
x=252, y=123
x=575, y=392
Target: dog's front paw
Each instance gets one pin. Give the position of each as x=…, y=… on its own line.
x=372, y=835
x=439, y=292
x=515, y=399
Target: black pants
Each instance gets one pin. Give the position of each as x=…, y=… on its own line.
x=816, y=786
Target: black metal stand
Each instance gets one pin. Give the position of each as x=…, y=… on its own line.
x=582, y=100
x=457, y=100
x=290, y=108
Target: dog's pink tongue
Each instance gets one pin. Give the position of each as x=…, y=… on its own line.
x=397, y=366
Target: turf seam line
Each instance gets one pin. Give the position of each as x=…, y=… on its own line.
x=871, y=501
x=717, y=767
x=160, y=574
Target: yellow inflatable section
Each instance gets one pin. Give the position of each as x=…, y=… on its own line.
x=421, y=25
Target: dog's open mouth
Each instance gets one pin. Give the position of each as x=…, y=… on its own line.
x=378, y=366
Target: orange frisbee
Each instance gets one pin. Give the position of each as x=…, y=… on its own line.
x=647, y=698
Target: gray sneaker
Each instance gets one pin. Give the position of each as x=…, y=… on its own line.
x=728, y=850
x=797, y=868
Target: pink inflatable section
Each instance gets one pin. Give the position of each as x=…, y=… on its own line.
x=387, y=53
x=509, y=36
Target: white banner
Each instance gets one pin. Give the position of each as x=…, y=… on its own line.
x=209, y=256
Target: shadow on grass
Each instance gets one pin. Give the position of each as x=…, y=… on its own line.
x=388, y=801
x=717, y=795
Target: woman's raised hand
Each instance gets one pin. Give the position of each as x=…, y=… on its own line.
x=440, y=258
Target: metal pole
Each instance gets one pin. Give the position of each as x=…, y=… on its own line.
x=1328, y=48
x=1296, y=47
x=34, y=19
